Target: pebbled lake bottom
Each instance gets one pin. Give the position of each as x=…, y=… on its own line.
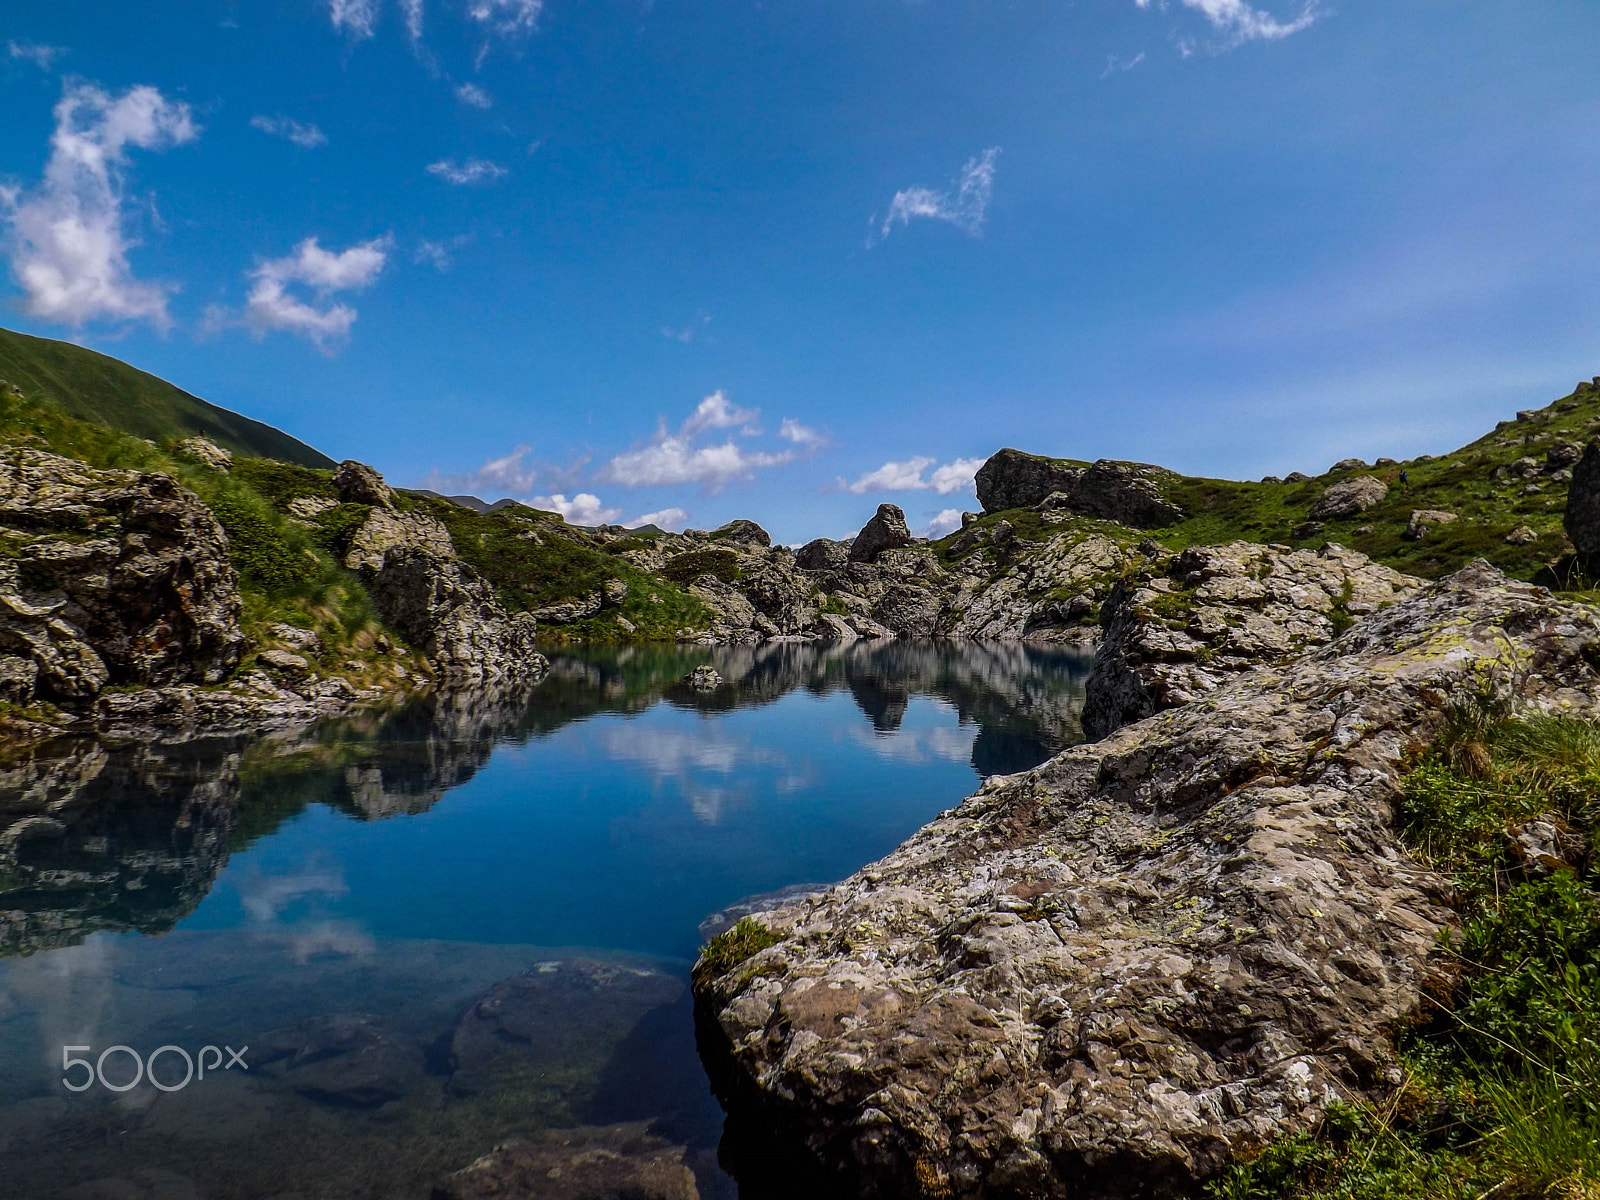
x=351, y=960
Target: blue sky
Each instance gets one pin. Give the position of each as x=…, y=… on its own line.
x=788, y=259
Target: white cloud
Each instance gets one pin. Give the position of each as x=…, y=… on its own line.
x=686, y=333
x=357, y=18
x=965, y=209
x=68, y=247
x=43, y=57
x=473, y=95
x=272, y=306
x=671, y=519
x=948, y=520
x=507, y=475
x=439, y=255
x=304, y=136
x=1115, y=65
x=473, y=171
x=717, y=412
x=801, y=435
x=582, y=509
x=411, y=10
x=672, y=460
x=906, y=476
x=505, y=17
x=1246, y=24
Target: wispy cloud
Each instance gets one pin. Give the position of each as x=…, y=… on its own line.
x=506, y=18
x=965, y=208
x=411, y=12
x=474, y=96
x=906, y=476
x=1116, y=66
x=272, y=306
x=671, y=519
x=439, y=255
x=801, y=435
x=473, y=171
x=69, y=250
x=357, y=18
x=305, y=136
x=1242, y=23
x=683, y=333
x=673, y=458
x=583, y=509
x=508, y=475
x=43, y=57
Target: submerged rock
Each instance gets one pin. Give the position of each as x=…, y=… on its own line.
x=344, y=1061
x=609, y=1162
x=1114, y=974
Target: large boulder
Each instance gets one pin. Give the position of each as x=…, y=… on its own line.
x=743, y=533
x=449, y=612
x=1012, y=479
x=1114, y=974
x=1177, y=633
x=886, y=530
x=1582, y=519
x=386, y=529
x=113, y=577
x=822, y=554
x=360, y=484
x=1349, y=497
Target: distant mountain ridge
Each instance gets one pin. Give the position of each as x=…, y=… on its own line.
x=96, y=387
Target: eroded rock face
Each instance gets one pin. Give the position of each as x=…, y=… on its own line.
x=1125, y=492
x=117, y=576
x=1012, y=479
x=1582, y=518
x=1111, y=975
x=204, y=450
x=1178, y=632
x=386, y=529
x=360, y=484
x=822, y=554
x=886, y=530
x=1348, y=497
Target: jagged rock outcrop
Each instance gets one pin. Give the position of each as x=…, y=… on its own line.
x=1111, y=975
x=886, y=530
x=360, y=484
x=204, y=450
x=1582, y=517
x=822, y=554
x=1125, y=492
x=1348, y=497
x=1050, y=593
x=743, y=532
x=1177, y=633
x=109, y=576
x=385, y=529
x=450, y=613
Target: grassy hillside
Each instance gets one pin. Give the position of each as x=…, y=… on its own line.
x=1480, y=483
x=93, y=387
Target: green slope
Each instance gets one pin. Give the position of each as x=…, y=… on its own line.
x=94, y=387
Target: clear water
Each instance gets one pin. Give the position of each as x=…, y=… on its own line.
x=452, y=922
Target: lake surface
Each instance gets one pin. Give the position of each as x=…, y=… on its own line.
x=454, y=921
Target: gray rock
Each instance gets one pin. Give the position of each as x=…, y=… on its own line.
x=1296, y=477
x=449, y=611
x=1012, y=479
x=615, y=593
x=304, y=640
x=568, y=611
x=1421, y=519
x=821, y=554
x=1526, y=467
x=1348, y=497
x=360, y=484
x=886, y=531
x=387, y=529
x=1349, y=464
x=1582, y=518
x=704, y=678
x=1150, y=956
x=1562, y=454
x=613, y=1162
x=345, y=1061
x=204, y=450
x=283, y=660
x=1522, y=535
x=744, y=533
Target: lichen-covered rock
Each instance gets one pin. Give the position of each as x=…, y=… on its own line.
x=386, y=529
x=450, y=613
x=111, y=576
x=204, y=450
x=1348, y=497
x=1111, y=975
x=744, y=533
x=1032, y=597
x=360, y=484
x=822, y=554
x=886, y=530
x=1175, y=634
x=1421, y=519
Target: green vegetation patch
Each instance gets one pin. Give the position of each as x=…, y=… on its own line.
x=686, y=568
x=732, y=946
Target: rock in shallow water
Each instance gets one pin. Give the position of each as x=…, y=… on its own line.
x=609, y=1162
x=1110, y=976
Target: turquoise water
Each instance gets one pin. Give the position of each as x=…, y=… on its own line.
x=347, y=900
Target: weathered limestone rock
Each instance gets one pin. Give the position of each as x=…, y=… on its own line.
x=386, y=529
x=885, y=531
x=1176, y=634
x=113, y=576
x=568, y=611
x=821, y=554
x=1020, y=604
x=1348, y=497
x=204, y=450
x=743, y=532
x=1111, y=975
x=360, y=484
x=611, y=1162
x=1421, y=518
x=1521, y=536
x=450, y=613
x=1582, y=519
x=1012, y=479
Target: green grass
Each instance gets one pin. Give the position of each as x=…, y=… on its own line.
x=99, y=389
x=732, y=946
x=1502, y=1091
x=684, y=569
